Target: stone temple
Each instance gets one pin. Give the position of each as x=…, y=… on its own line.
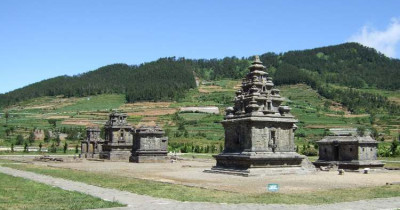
x=348, y=152
x=92, y=145
x=150, y=145
x=259, y=131
x=118, y=138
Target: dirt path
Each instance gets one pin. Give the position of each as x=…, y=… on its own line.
x=134, y=201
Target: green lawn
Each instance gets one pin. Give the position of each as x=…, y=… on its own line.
x=19, y=193
x=195, y=194
x=94, y=103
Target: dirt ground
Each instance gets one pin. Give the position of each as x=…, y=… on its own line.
x=190, y=172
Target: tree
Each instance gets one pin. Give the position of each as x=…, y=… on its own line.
x=58, y=139
x=8, y=132
x=46, y=136
x=52, y=122
x=53, y=148
x=20, y=140
x=31, y=137
x=6, y=115
x=65, y=147
x=26, y=147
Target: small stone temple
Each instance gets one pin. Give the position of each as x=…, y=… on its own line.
x=118, y=138
x=92, y=145
x=348, y=152
x=259, y=131
x=150, y=145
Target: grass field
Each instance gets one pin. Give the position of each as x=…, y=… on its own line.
x=185, y=193
x=19, y=193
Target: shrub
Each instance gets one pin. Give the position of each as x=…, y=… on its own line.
x=393, y=148
x=361, y=131
x=53, y=148
x=308, y=150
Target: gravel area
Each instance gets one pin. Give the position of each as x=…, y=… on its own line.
x=191, y=173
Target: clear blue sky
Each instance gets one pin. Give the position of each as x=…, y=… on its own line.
x=44, y=39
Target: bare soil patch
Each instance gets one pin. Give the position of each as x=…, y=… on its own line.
x=153, y=112
x=145, y=105
x=148, y=121
x=395, y=99
x=58, y=117
x=348, y=115
x=81, y=122
x=53, y=104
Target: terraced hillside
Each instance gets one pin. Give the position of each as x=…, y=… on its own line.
x=199, y=131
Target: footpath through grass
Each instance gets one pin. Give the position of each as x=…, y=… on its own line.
x=19, y=193
x=195, y=194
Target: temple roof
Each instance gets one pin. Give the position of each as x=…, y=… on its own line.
x=360, y=139
x=257, y=96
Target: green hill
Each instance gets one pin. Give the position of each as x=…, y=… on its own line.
x=332, y=71
x=164, y=79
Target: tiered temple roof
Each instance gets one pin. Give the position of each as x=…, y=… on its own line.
x=257, y=96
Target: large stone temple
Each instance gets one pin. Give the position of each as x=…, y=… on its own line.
x=118, y=138
x=259, y=131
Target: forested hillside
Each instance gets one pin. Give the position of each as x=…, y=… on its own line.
x=331, y=70
x=164, y=79
x=348, y=64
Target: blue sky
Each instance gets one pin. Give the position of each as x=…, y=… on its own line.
x=44, y=39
